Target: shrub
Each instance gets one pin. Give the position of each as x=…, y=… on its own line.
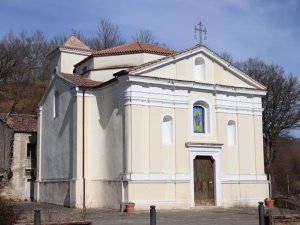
x=7, y=215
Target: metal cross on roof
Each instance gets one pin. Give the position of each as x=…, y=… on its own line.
x=200, y=32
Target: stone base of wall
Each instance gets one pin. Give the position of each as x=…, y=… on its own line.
x=103, y=194
x=55, y=192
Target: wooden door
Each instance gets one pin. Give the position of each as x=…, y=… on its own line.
x=204, y=181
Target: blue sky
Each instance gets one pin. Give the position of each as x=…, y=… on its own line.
x=268, y=29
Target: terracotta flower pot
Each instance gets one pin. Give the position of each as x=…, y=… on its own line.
x=130, y=207
x=269, y=203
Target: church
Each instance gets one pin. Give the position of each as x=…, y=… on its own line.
x=145, y=124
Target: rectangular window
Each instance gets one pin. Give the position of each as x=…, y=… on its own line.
x=31, y=151
x=56, y=105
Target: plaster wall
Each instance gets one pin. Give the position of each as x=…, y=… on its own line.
x=103, y=193
x=123, y=60
x=215, y=73
x=102, y=75
x=160, y=193
x=68, y=60
x=57, y=134
x=156, y=165
x=104, y=155
x=102, y=68
x=103, y=149
x=243, y=195
x=63, y=61
x=88, y=64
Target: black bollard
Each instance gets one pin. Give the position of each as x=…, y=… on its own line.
x=37, y=217
x=261, y=213
x=152, y=215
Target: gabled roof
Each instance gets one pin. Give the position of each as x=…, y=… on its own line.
x=190, y=51
x=78, y=80
x=74, y=43
x=24, y=123
x=135, y=47
x=73, y=80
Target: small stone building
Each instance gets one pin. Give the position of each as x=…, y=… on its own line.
x=18, y=155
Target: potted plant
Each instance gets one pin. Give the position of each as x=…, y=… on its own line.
x=269, y=203
x=130, y=207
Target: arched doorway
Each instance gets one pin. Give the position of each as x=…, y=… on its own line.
x=204, y=180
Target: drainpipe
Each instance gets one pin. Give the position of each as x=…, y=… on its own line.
x=83, y=147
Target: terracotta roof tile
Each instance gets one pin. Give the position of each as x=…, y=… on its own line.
x=20, y=122
x=75, y=44
x=136, y=68
x=79, y=80
x=135, y=47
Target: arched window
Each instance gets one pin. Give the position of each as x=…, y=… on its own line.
x=198, y=119
x=56, y=105
x=199, y=69
x=231, y=132
x=201, y=122
x=167, y=128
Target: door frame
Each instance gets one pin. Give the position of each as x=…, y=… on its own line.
x=205, y=149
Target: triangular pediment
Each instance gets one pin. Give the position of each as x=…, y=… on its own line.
x=180, y=66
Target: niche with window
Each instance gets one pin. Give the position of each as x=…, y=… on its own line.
x=167, y=129
x=199, y=69
x=231, y=132
x=200, y=117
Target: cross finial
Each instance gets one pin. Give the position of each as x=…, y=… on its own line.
x=200, y=32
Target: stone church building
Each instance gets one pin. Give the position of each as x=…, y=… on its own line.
x=145, y=124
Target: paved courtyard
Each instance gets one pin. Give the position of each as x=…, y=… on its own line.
x=215, y=216
x=201, y=216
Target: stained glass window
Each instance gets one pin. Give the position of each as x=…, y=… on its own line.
x=198, y=119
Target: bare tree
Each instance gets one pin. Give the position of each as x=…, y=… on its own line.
x=147, y=37
x=227, y=56
x=108, y=35
x=281, y=103
x=23, y=69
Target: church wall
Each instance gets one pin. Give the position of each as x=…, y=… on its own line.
x=87, y=64
x=104, y=146
x=118, y=61
x=184, y=69
x=104, y=136
x=151, y=57
x=242, y=163
x=68, y=60
x=246, y=144
x=258, y=137
x=156, y=166
x=57, y=134
x=55, y=156
x=211, y=134
x=102, y=75
x=229, y=153
x=55, y=63
x=140, y=162
x=181, y=136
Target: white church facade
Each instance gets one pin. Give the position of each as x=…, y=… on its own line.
x=144, y=124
